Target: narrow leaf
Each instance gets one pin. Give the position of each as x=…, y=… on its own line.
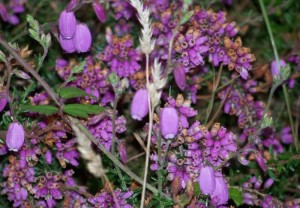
x=72, y=92
x=42, y=109
x=79, y=68
x=82, y=110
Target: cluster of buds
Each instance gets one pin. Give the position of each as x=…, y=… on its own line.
x=257, y=184
x=93, y=79
x=120, y=55
x=8, y=13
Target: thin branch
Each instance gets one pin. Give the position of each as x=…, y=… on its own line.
x=28, y=68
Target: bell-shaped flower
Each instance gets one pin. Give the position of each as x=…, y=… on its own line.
x=67, y=24
x=83, y=38
x=67, y=45
x=15, y=136
x=220, y=195
x=207, y=180
x=169, y=122
x=99, y=11
x=139, y=106
x=180, y=76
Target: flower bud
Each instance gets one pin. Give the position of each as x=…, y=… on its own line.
x=99, y=11
x=15, y=136
x=169, y=122
x=261, y=161
x=21, y=74
x=123, y=153
x=67, y=24
x=139, y=106
x=180, y=76
x=206, y=180
x=67, y=45
x=3, y=12
x=268, y=183
x=83, y=38
x=274, y=67
x=3, y=100
x=285, y=135
x=48, y=157
x=220, y=194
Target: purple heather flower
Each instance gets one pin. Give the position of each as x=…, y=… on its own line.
x=268, y=183
x=15, y=136
x=139, y=106
x=207, y=180
x=180, y=76
x=71, y=5
x=227, y=2
x=3, y=149
x=3, y=12
x=3, y=100
x=267, y=202
x=123, y=153
x=220, y=194
x=261, y=161
x=286, y=136
x=48, y=157
x=83, y=38
x=191, y=47
x=67, y=24
x=169, y=122
x=120, y=55
x=67, y=45
x=274, y=67
x=99, y=11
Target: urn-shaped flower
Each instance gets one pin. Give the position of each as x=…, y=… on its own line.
x=169, y=122
x=206, y=180
x=15, y=136
x=179, y=76
x=99, y=11
x=220, y=194
x=139, y=106
x=67, y=24
x=67, y=45
x=83, y=38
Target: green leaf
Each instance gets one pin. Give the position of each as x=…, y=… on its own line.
x=82, y=110
x=72, y=92
x=236, y=196
x=42, y=109
x=113, y=78
x=196, y=189
x=186, y=17
x=79, y=68
x=2, y=57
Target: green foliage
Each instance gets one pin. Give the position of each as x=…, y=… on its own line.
x=41, y=109
x=82, y=110
x=75, y=70
x=73, y=92
x=236, y=196
x=35, y=33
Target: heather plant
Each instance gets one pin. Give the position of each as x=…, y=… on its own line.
x=155, y=103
